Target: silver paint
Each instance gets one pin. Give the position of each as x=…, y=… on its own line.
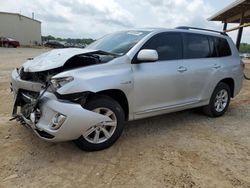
x=150, y=88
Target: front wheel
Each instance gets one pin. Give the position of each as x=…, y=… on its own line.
x=102, y=135
x=219, y=101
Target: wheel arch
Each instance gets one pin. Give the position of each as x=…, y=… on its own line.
x=231, y=83
x=117, y=95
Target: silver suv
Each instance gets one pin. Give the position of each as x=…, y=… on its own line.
x=86, y=95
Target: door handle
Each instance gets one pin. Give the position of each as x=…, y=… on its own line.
x=216, y=66
x=182, y=69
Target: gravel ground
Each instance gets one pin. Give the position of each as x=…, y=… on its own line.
x=184, y=149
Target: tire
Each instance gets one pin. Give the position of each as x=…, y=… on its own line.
x=218, y=104
x=102, y=104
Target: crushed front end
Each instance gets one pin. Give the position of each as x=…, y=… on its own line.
x=52, y=118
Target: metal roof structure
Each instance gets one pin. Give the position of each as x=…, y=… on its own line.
x=233, y=12
x=236, y=12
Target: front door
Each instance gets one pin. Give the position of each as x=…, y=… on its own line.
x=162, y=84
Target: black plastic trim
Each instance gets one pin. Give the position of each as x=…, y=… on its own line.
x=44, y=134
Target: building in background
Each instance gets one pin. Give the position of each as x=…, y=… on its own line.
x=22, y=28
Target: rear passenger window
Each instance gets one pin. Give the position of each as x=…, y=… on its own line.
x=168, y=45
x=196, y=46
x=222, y=47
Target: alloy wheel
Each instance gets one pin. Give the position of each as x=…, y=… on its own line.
x=102, y=131
x=221, y=100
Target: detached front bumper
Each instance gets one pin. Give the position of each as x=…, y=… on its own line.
x=76, y=119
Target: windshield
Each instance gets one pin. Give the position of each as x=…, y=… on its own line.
x=118, y=43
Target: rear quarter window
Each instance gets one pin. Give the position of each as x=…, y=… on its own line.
x=222, y=47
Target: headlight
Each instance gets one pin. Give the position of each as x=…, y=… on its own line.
x=59, y=82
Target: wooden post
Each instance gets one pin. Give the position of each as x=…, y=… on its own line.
x=225, y=26
x=240, y=32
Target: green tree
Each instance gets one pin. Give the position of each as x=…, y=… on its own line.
x=244, y=48
x=46, y=38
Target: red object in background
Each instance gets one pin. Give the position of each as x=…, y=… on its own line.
x=9, y=42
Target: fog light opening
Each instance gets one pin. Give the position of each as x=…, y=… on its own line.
x=57, y=121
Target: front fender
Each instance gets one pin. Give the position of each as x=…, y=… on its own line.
x=98, y=78
x=119, y=77
x=117, y=74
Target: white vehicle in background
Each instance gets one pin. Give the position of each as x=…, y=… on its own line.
x=245, y=55
x=86, y=95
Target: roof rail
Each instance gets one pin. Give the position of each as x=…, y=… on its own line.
x=201, y=29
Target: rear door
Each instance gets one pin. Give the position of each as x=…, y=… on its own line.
x=201, y=62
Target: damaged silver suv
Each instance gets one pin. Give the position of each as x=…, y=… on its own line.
x=87, y=95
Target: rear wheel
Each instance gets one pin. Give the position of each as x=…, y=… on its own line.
x=102, y=135
x=219, y=101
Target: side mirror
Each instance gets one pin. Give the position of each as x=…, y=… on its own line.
x=147, y=55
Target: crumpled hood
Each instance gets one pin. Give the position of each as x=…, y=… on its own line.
x=53, y=59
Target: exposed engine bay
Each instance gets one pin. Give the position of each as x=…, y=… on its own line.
x=77, y=61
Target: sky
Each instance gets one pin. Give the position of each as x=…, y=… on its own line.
x=95, y=18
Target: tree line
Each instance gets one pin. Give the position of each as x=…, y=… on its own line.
x=68, y=40
x=244, y=48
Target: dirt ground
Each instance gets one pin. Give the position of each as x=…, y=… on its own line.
x=184, y=149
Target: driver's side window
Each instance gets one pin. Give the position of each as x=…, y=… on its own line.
x=168, y=45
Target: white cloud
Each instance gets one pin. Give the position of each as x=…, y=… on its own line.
x=94, y=18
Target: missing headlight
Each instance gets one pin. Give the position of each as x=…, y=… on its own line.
x=59, y=82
